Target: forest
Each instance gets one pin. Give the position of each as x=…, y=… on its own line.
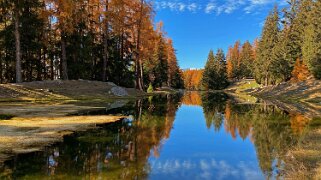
x=288, y=49
x=103, y=40
x=118, y=41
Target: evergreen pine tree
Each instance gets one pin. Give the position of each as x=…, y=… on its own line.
x=267, y=46
x=247, y=60
x=208, y=71
x=215, y=74
x=160, y=59
x=311, y=48
x=281, y=65
x=293, y=25
x=220, y=68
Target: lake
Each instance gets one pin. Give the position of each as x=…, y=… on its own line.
x=190, y=136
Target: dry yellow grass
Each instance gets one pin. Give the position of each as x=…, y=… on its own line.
x=22, y=135
x=304, y=161
x=28, y=109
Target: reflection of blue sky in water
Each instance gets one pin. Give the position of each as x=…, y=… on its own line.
x=195, y=152
x=206, y=169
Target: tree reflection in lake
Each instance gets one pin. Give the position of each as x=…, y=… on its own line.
x=272, y=130
x=143, y=146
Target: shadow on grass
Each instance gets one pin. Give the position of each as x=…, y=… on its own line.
x=6, y=116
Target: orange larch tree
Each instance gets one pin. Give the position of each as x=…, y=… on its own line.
x=300, y=71
x=192, y=79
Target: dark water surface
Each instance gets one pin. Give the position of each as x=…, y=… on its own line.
x=194, y=136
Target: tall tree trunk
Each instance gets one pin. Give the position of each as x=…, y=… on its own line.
x=5, y=79
x=30, y=78
x=141, y=74
x=139, y=64
x=266, y=80
x=52, y=75
x=40, y=66
x=45, y=69
x=64, y=59
x=1, y=70
x=169, y=79
x=50, y=49
x=106, y=55
x=18, y=46
x=137, y=80
x=122, y=43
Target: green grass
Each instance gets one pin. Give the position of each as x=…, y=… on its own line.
x=248, y=85
x=316, y=122
x=243, y=86
x=6, y=116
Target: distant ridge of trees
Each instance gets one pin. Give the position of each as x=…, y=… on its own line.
x=193, y=78
x=105, y=40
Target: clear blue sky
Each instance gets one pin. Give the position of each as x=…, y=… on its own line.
x=196, y=26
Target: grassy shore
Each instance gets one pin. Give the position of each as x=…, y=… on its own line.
x=37, y=114
x=238, y=91
x=23, y=134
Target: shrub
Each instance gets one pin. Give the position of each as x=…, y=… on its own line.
x=150, y=88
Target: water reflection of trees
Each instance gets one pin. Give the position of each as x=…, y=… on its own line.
x=213, y=108
x=272, y=130
x=115, y=151
x=121, y=150
x=192, y=98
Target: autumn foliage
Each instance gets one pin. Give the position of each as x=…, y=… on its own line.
x=298, y=123
x=109, y=40
x=240, y=60
x=300, y=71
x=192, y=98
x=192, y=79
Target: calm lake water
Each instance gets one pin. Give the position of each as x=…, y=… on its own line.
x=194, y=136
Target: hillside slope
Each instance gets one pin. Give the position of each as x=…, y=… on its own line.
x=61, y=90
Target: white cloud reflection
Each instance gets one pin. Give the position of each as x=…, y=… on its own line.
x=206, y=169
